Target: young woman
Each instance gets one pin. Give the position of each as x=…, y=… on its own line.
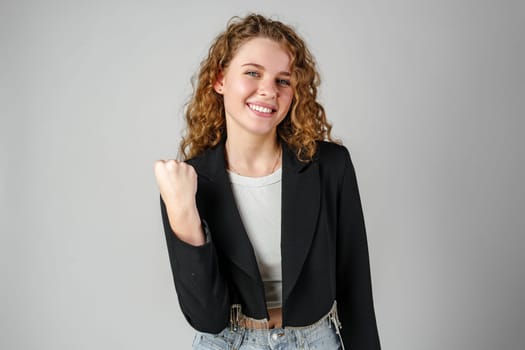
x=263, y=219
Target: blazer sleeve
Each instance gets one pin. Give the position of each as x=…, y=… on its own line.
x=201, y=289
x=354, y=289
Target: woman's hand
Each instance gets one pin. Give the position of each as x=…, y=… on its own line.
x=177, y=183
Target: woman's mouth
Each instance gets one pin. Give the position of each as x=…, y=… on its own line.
x=261, y=109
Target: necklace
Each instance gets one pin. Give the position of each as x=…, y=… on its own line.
x=230, y=167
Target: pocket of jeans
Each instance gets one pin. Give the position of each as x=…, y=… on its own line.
x=328, y=340
x=208, y=341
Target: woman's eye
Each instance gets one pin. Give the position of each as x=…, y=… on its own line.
x=252, y=74
x=284, y=82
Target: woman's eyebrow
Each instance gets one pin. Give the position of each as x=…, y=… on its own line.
x=262, y=67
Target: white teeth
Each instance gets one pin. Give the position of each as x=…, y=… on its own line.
x=260, y=109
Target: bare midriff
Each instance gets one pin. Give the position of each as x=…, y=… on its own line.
x=276, y=318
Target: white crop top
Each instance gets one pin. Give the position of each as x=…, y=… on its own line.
x=259, y=203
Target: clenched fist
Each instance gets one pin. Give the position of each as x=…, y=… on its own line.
x=177, y=183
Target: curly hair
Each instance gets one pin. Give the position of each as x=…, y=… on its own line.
x=305, y=122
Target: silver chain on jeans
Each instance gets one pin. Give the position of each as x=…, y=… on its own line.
x=235, y=317
x=334, y=319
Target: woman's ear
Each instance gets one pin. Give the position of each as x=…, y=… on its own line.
x=219, y=83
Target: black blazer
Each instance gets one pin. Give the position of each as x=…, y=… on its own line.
x=323, y=247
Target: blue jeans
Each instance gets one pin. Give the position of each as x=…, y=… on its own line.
x=322, y=335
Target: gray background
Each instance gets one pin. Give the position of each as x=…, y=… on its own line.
x=427, y=95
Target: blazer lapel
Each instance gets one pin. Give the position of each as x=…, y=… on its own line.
x=301, y=196
x=216, y=201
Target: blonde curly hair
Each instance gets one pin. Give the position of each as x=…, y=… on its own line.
x=306, y=120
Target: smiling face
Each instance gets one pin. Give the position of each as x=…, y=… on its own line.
x=256, y=88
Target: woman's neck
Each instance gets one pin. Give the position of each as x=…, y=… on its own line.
x=253, y=157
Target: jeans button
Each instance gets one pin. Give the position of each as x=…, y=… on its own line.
x=277, y=335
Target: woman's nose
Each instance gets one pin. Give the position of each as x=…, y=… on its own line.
x=268, y=88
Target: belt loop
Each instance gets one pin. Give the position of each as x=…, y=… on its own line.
x=238, y=340
x=235, y=315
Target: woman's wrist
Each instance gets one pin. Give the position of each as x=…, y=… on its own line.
x=187, y=227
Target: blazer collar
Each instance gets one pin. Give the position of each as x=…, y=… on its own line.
x=212, y=162
x=299, y=214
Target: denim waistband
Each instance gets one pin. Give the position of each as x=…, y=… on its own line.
x=261, y=334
